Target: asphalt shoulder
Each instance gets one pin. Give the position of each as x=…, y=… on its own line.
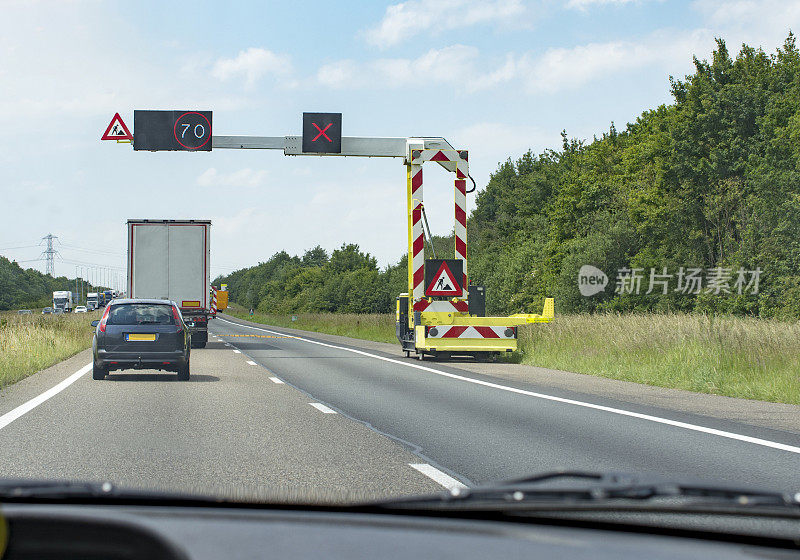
x=776, y=416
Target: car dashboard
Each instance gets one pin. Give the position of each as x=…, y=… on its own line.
x=183, y=533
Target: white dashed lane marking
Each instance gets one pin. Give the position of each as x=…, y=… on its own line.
x=322, y=408
x=436, y=475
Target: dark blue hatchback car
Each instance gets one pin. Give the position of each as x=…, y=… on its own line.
x=141, y=334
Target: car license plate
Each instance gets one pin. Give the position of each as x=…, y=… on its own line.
x=140, y=337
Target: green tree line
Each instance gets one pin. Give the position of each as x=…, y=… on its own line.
x=709, y=182
x=22, y=288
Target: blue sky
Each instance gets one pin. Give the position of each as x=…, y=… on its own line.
x=496, y=77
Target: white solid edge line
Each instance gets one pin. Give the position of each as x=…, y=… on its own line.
x=437, y=476
x=251, y=362
x=621, y=412
x=276, y=380
x=24, y=408
x=237, y=351
x=322, y=408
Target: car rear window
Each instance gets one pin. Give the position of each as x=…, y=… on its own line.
x=140, y=314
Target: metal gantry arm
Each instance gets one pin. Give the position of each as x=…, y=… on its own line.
x=415, y=151
x=353, y=146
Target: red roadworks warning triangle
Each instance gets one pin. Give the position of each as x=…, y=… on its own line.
x=444, y=283
x=117, y=130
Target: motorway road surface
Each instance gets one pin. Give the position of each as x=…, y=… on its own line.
x=272, y=415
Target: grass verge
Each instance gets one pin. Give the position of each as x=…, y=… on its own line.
x=30, y=343
x=732, y=356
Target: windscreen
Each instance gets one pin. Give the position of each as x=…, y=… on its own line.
x=545, y=235
x=141, y=314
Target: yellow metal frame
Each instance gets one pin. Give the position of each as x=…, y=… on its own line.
x=462, y=344
x=431, y=318
x=410, y=221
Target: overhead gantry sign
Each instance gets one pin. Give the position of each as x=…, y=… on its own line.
x=435, y=316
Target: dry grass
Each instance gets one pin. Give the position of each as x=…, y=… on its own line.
x=29, y=343
x=733, y=356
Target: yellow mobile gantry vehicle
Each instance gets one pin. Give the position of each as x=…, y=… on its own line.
x=441, y=314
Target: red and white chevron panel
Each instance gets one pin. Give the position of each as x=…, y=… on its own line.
x=213, y=300
x=441, y=306
x=417, y=234
x=461, y=217
x=446, y=331
x=455, y=161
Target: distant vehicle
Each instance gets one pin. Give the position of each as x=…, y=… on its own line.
x=141, y=334
x=24, y=312
x=58, y=311
x=108, y=295
x=63, y=300
x=169, y=260
x=80, y=309
x=47, y=311
x=92, y=301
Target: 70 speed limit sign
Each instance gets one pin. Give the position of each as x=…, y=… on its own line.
x=188, y=131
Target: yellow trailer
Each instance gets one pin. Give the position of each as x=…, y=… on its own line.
x=442, y=314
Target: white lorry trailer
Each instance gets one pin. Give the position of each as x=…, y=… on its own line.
x=63, y=300
x=169, y=259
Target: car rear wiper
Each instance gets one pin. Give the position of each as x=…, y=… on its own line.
x=581, y=490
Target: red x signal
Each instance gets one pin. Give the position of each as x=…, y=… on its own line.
x=322, y=132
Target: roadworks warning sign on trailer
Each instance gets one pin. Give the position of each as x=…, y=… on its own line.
x=441, y=277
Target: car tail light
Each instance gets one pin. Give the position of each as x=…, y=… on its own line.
x=177, y=318
x=104, y=319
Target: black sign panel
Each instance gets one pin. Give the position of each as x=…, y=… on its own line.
x=443, y=277
x=188, y=131
x=322, y=133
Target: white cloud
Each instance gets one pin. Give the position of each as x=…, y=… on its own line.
x=54, y=63
x=584, y=4
x=569, y=68
x=491, y=143
x=557, y=69
x=252, y=64
x=407, y=19
x=242, y=178
x=457, y=64
x=755, y=22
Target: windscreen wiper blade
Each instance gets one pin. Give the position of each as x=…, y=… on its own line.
x=69, y=490
x=583, y=488
x=53, y=489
